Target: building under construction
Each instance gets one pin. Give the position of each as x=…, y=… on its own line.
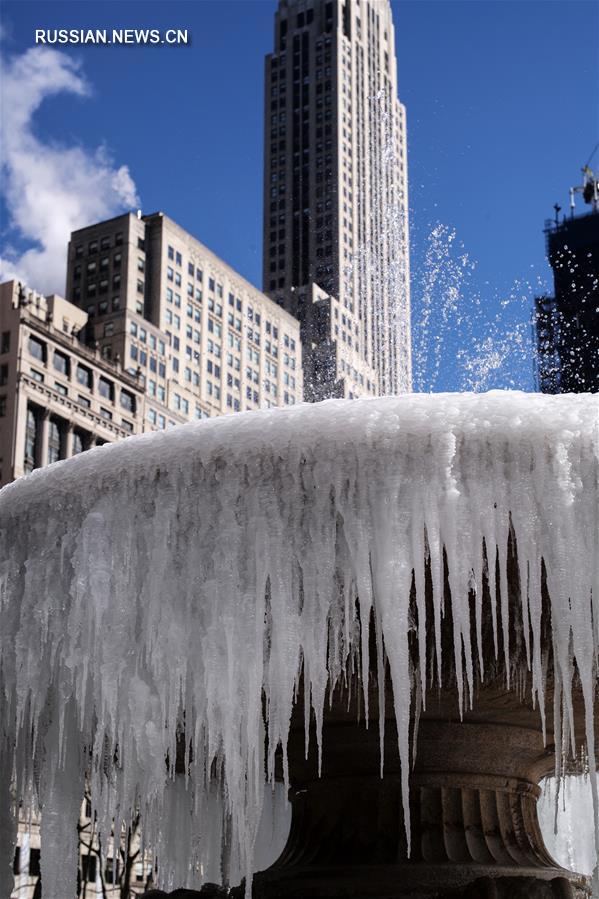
x=567, y=323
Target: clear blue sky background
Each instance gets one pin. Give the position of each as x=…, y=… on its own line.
x=502, y=100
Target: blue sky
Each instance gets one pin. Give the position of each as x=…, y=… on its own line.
x=502, y=99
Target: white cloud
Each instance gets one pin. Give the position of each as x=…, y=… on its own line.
x=50, y=189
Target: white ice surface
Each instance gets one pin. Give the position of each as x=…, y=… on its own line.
x=192, y=573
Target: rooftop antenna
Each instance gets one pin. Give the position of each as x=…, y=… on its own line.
x=558, y=209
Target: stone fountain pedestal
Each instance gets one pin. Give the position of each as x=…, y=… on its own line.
x=473, y=809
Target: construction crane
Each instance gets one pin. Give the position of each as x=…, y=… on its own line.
x=589, y=187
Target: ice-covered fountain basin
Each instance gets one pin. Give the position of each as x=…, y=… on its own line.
x=199, y=569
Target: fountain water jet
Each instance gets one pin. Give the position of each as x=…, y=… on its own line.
x=198, y=581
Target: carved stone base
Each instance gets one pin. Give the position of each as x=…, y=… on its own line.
x=473, y=811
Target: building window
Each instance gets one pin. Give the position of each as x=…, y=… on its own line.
x=77, y=443
x=54, y=442
x=127, y=401
x=37, y=349
x=31, y=440
x=3, y=375
x=88, y=868
x=34, y=862
x=106, y=388
x=105, y=413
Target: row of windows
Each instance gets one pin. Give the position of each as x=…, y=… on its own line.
x=358, y=378
x=102, y=307
x=63, y=364
x=28, y=863
x=139, y=355
x=57, y=439
x=158, y=419
x=105, y=243
x=155, y=343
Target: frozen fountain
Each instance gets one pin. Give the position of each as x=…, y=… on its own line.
x=188, y=615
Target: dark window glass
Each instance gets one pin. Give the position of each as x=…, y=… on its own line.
x=61, y=362
x=37, y=349
x=34, y=862
x=54, y=442
x=127, y=401
x=31, y=432
x=84, y=376
x=105, y=388
x=88, y=867
x=111, y=873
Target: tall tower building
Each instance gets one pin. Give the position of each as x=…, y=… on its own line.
x=336, y=249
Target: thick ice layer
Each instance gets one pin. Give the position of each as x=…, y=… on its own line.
x=569, y=834
x=186, y=577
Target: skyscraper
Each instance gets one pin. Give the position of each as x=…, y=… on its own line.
x=336, y=250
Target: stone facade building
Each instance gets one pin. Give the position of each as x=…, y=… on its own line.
x=58, y=397
x=200, y=339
